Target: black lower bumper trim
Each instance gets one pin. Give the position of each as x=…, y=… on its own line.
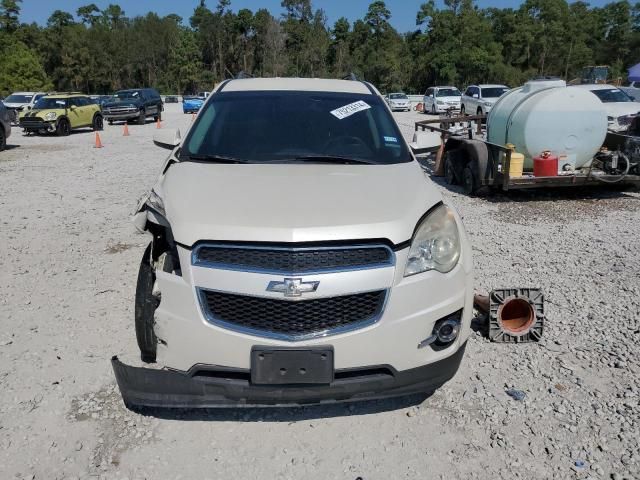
x=176, y=389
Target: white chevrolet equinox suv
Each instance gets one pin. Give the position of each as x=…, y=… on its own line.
x=299, y=255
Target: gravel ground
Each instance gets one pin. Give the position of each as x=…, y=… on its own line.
x=70, y=256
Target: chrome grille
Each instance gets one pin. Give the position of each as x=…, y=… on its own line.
x=292, y=320
x=284, y=260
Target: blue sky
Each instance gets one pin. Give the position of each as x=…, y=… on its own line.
x=403, y=11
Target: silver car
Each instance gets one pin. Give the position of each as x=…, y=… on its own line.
x=478, y=99
x=398, y=101
x=5, y=126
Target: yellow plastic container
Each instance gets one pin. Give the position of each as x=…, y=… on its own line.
x=517, y=161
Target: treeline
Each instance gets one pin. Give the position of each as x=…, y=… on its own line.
x=99, y=51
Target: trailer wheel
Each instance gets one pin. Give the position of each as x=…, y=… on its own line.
x=449, y=172
x=468, y=181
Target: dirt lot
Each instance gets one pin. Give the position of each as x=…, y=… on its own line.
x=69, y=262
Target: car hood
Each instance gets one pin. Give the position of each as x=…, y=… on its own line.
x=15, y=105
x=399, y=100
x=296, y=202
x=449, y=99
x=117, y=103
x=619, y=109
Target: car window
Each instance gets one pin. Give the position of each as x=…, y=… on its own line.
x=127, y=95
x=493, y=92
x=288, y=125
x=612, y=95
x=398, y=96
x=50, y=103
x=82, y=101
x=18, y=99
x=72, y=102
x=448, y=92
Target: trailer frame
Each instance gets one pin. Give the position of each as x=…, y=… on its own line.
x=493, y=172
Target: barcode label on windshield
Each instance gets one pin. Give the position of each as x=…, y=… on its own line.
x=348, y=110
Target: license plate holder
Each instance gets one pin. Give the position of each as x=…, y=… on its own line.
x=292, y=366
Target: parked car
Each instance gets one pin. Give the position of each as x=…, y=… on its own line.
x=358, y=285
x=398, y=101
x=19, y=101
x=101, y=99
x=441, y=99
x=170, y=99
x=478, y=99
x=621, y=108
x=61, y=113
x=134, y=104
x=5, y=126
x=192, y=104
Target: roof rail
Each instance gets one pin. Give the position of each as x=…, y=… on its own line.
x=243, y=74
x=65, y=93
x=351, y=76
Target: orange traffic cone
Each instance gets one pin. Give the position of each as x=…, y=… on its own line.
x=98, y=141
x=158, y=125
x=125, y=133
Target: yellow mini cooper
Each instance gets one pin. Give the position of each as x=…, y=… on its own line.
x=61, y=113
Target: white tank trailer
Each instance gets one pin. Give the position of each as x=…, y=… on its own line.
x=548, y=115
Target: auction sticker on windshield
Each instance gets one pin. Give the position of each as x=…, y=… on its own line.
x=348, y=110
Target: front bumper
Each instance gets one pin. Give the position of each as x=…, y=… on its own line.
x=120, y=116
x=232, y=387
x=36, y=125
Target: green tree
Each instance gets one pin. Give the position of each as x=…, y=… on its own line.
x=20, y=68
x=9, y=14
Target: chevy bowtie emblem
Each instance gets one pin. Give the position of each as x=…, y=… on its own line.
x=292, y=287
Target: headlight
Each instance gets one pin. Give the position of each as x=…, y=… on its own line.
x=610, y=119
x=155, y=201
x=436, y=243
x=51, y=116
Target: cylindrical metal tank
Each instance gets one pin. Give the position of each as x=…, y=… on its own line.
x=548, y=115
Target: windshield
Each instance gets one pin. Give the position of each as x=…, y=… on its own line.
x=295, y=126
x=126, y=95
x=494, y=92
x=398, y=96
x=612, y=95
x=18, y=99
x=448, y=92
x=50, y=103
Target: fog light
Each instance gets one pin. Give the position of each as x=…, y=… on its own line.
x=444, y=332
x=448, y=330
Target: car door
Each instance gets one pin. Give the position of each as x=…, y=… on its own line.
x=74, y=114
x=86, y=110
x=150, y=103
x=471, y=102
x=428, y=99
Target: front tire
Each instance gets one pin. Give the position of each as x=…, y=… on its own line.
x=142, y=117
x=433, y=109
x=145, y=307
x=98, y=123
x=158, y=117
x=468, y=181
x=3, y=139
x=462, y=112
x=64, y=128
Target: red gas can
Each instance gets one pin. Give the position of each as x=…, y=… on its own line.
x=546, y=165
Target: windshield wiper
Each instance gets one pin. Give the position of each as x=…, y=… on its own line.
x=212, y=158
x=334, y=159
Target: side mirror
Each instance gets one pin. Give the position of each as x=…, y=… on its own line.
x=28, y=107
x=72, y=107
x=475, y=95
x=168, y=139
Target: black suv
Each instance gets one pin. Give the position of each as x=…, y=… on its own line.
x=138, y=104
